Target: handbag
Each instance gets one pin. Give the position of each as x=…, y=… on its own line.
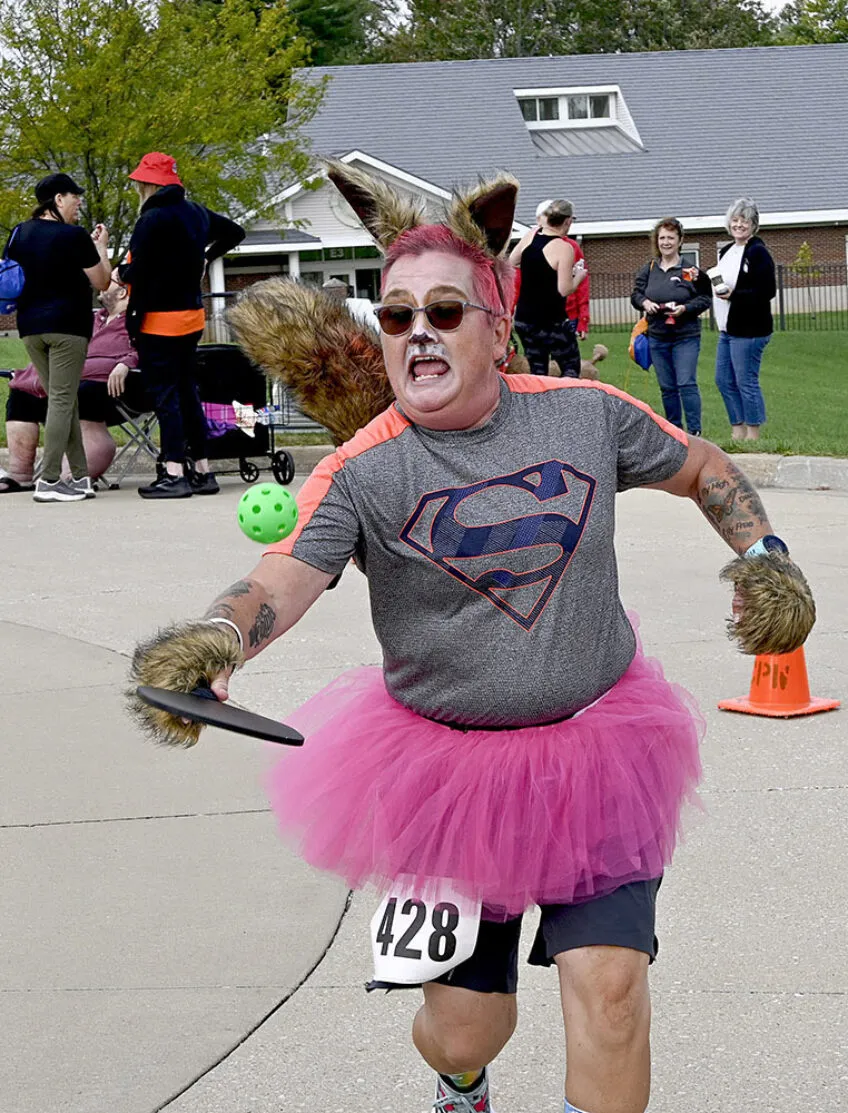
x=11, y=280
x=639, y=349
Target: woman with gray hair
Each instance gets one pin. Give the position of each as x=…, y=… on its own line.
x=742, y=308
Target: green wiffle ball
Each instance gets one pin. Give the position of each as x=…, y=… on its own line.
x=267, y=513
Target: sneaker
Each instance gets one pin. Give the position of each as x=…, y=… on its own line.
x=83, y=484
x=168, y=487
x=449, y=1100
x=203, y=483
x=60, y=491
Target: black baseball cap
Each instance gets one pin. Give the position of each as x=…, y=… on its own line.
x=48, y=187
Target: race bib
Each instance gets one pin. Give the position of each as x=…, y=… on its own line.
x=416, y=937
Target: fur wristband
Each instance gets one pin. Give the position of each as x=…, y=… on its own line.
x=178, y=658
x=778, y=611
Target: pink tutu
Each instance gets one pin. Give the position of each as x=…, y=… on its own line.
x=535, y=815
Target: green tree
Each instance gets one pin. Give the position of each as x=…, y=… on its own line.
x=88, y=86
x=804, y=267
x=337, y=30
x=814, y=21
x=636, y=25
x=452, y=29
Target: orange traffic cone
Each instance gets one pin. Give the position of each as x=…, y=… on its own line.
x=780, y=689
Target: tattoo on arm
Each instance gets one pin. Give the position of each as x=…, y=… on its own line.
x=222, y=607
x=733, y=508
x=263, y=626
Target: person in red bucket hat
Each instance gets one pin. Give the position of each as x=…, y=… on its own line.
x=158, y=169
x=173, y=241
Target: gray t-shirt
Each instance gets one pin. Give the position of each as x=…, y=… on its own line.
x=489, y=552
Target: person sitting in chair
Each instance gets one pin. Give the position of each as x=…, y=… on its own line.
x=107, y=375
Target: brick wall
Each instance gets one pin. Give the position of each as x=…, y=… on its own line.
x=625, y=254
x=7, y=323
x=236, y=282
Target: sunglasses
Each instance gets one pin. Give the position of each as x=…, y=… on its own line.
x=445, y=316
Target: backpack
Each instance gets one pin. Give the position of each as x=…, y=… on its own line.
x=639, y=349
x=11, y=280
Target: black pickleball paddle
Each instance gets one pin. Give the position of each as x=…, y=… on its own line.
x=203, y=706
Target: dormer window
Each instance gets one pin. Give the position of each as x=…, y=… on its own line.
x=568, y=107
x=578, y=120
x=589, y=106
x=539, y=108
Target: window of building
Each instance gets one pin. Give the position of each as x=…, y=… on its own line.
x=368, y=284
x=568, y=107
x=534, y=109
x=690, y=255
x=589, y=106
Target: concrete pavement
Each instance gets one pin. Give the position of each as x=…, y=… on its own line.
x=150, y=919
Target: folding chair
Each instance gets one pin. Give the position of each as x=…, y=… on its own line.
x=139, y=429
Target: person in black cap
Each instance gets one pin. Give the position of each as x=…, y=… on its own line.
x=61, y=262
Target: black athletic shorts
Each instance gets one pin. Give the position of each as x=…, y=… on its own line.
x=624, y=918
x=21, y=406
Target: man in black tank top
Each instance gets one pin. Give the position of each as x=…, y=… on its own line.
x=548, y=276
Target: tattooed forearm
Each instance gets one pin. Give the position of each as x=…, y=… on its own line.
x=223, y=606
x=263, y=626
x=733, y=507
x=246, y=604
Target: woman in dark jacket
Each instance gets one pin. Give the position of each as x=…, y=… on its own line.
x=743, y=315
x=672, y=297
x=61, y=262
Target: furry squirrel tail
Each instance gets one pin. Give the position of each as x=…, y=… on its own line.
x=332, y=364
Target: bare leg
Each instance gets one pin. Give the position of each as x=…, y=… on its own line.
x=458, y=1030
x=99, y=447
x=607, y=1011
x=22, y=440
x=737, y=432
x=752, y=433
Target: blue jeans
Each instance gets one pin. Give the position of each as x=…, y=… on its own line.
x=676, y=365
x=738, y=360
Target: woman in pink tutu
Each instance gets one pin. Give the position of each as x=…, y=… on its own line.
x=516, y=747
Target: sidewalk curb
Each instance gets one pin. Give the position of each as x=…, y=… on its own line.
x=793, y=473
x=305, y=457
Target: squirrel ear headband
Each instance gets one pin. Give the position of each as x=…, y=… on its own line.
x=482, y=216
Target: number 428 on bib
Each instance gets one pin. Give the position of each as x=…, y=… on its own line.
x=416, y=937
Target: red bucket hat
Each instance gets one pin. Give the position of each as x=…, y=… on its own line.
x=157, y=169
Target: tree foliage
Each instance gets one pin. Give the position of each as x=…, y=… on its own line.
x=337, y=30
x=88, y=86
x=814, y=21
x=454, y=29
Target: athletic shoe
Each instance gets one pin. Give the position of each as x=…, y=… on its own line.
x=60, y=491
x=449, y=1100
x=203, y=483
x=168, y=487
x=84, y=485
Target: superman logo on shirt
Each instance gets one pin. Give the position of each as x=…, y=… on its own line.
x=510, y=538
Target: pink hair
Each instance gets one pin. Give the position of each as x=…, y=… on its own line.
x=494, y=279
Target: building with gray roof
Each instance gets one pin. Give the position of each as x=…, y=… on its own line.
x=627, y=138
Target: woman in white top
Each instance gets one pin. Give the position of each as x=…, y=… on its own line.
x=743, y=315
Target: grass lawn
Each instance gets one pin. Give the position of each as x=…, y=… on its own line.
x=804, y=378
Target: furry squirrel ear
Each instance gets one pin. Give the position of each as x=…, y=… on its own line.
x=484, y=215
x=384, y=213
